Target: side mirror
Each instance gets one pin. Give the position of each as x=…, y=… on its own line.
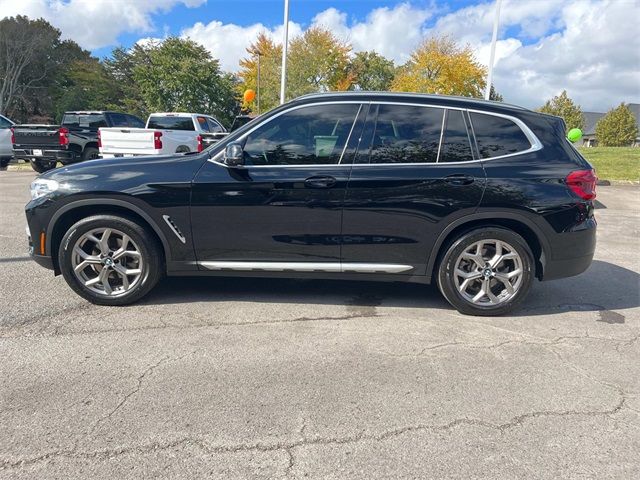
x=234, y=155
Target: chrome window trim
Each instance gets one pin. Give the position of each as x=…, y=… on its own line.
x=327, y=267
x=536, y=144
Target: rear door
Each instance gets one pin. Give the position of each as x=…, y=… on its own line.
x=283, y=209
x=415, y=172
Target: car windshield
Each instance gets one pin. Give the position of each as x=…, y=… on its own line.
x=171, y=123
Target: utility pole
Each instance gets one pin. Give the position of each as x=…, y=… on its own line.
x=285, y=44
x=494, y=39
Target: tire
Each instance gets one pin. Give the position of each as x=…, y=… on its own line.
x=182, y=149
x=142, y=271
x=42, y=166
x=461, y=263
x=90, y=153
x=4, y=162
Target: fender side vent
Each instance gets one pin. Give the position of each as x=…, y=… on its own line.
x=174, y=228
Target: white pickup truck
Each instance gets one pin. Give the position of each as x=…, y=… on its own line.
x=6, y=144
x=165, y=133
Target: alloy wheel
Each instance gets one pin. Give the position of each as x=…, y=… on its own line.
x=488, y=272
x=107, y=262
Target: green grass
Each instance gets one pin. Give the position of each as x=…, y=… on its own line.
x=614, y=163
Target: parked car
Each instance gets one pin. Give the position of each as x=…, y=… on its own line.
x=6, y=149
x=481, y=198
x=164, y=133
x=74, y=140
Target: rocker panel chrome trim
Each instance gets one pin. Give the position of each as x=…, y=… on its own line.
x=335, y=267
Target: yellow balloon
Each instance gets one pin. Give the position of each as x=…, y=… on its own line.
x=249, y=96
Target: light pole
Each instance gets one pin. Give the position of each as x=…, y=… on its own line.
x=285, y=42
x=258, y=84
x=494, y=39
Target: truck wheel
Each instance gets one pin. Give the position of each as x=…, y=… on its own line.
x=42, y=166
x=90, y=153
x=4, y=162
x=487, y=271
x=110, y=260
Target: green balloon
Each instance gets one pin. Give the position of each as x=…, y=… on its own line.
x=574, y=135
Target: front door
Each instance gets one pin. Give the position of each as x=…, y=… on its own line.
x=414, y=173
x=282, y=209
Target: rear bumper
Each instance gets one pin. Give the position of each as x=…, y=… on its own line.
x=572, y=252
x=47, y=155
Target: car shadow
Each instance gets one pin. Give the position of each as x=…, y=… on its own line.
x=603, y=287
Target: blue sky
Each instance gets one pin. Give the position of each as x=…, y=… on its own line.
x=267, y=12
x=588, y=47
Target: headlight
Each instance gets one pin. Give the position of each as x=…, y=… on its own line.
x=42, y=187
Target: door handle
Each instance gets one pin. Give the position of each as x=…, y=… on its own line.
x=320, y=182
x=459, y=179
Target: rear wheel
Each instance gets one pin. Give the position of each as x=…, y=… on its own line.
x=90, y=153
x=110, y=260
x=4, y=162
x=42, y=166
x=488, y=271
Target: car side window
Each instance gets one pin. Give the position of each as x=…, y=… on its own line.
x=456, y=144
x=214, y=126
x=135, y=122
x=119, y=120
x=305, y=136
x=203, y=124
x=497, y=136
x=406, y=134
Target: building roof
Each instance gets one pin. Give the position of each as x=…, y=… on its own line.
x=592, y=118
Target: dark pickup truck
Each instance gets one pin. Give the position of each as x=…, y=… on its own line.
x=74, y=140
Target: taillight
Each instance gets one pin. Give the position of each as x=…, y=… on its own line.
x=583, y=183
x=63, y=136
x=157, y=143
x=13, y=136
x=99, y=139
x=200, y=146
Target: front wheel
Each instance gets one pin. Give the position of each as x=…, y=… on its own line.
x=487, y=271
x=42, y=166
x=110, y=260
x=90, y=153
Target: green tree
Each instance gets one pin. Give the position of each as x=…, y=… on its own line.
x=494, y=95
x=181, y=75
x=618, y=128
x=270, y=68
x=318, y=62
x=33, y=60
x=120, y=67
x=439, y=65
x=562, y=106
x=371, y=71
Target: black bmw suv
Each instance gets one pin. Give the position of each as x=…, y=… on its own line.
x=478, y=197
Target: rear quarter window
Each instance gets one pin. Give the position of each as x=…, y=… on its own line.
x=171, y=123
x=498, y=136
x=84, y=120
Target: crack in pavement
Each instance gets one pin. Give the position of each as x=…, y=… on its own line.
x=288, y=447
x=135, y=390
x=164, y=325
x=555, y=341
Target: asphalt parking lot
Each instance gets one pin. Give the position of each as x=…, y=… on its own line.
x=217, y=378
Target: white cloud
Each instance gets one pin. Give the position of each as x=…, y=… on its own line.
x=94, y=23
x=228, y=42
x=392, y=32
